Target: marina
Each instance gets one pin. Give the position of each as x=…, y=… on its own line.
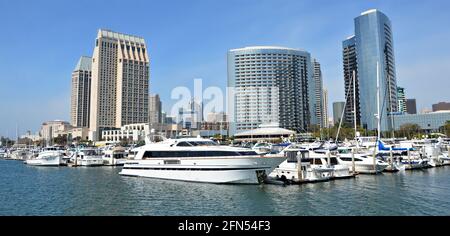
x=27, y=190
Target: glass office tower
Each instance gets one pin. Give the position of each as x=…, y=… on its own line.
x=374, y=43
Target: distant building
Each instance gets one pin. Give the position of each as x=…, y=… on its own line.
x=428, y=122
x=32, y=137
x=81, y=93
x=138, y=132
x=402, y=108
x=52, y=129
x=192, y=115
x=425, y=111
x=120, y=82
x=216, y=117
x=411, y=107
x=155, y=109
x=324, y=118
x=270, y=85
x=317, y=108
x=441, y=106
x=338, y=108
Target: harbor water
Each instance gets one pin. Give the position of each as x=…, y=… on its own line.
x=29, y=190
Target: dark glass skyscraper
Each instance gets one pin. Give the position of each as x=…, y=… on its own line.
x=372, y=43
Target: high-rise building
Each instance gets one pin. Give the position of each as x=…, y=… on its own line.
x=191, y=116
x=155, y=109
x=120, y=82
x=401, y=99
x=373, y=43
x=411, y=107
x=324, y=118
x=317, y=109
x=81, y=93
x=441, y=106
x=351, y=82
x=270, y=86
x=338, y=108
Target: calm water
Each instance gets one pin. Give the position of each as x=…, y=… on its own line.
x=28, y=190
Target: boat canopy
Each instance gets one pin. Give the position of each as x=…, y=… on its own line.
x=381, y=147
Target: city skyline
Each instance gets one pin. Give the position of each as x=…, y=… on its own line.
x=38, y=88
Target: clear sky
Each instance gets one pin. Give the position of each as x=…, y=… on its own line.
x=41, y=41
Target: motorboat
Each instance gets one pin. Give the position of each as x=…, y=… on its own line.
x=262, y=148
x=299, y=167
x=364, y=163
x=87, y=157
x=200, y=160
x=114, y=156
x=49, y=156
x=3, y=154
x=21, y=154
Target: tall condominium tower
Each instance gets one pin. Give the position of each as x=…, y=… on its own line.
x=120, y=81
x=270, y=86
x=325, y=109
x=373, y=43
x=351, y=84
x=316, y=88
x=155, y=112
x=81, y=92
x=401, y=99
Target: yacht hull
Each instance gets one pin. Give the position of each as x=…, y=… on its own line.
x=230, y=170
x=52, y=161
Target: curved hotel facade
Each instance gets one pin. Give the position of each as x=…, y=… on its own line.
x=270, y=85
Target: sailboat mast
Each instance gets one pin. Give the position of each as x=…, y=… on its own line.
x=378, y=103
x=354, y=100
x=354, y=108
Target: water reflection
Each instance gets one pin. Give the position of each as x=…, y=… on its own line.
x=27, y=190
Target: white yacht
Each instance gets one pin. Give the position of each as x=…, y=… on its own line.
x=364, y=162
x=200, y=160
x=21, y=154
x=49, y=156
x=262, y=148
x=114, y=156
x=299, y=167
x=87, y=157
x=3, y=153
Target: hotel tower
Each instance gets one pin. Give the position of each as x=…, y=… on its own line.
x=270, y=85
x=81, y=92
x=120, y=82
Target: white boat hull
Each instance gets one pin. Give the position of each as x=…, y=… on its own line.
x=49, y=161
x=218, y=170
x=90, y=162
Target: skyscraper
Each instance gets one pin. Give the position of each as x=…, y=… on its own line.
x=401, y=99
x=155, y=109
x=411, y=107
x=373, y=43
x=270, y=86
x=351, y=84
x=81, y=92
x=120, y=81
x=325, y=109
x=338, y=108
x=317, y=108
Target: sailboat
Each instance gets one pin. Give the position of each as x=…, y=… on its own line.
x=357, y=160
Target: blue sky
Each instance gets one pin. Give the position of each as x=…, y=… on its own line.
x=41, y=41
